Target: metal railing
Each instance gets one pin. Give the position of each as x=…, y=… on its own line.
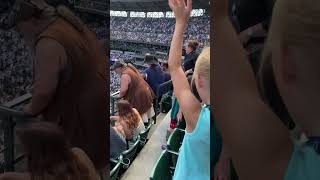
x=114, y=98
x=10, y=117
x=95, y=7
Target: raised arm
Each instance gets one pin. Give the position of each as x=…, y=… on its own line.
x=187, y=101
x=257, y=141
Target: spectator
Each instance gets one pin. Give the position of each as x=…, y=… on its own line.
x=134, y=89
x=292, y=52
x=193, y=161
x=50, y=156
x=129, y=123
x=60, y=35
x=191, y=56
x=154, y=74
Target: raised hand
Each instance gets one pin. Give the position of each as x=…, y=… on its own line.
x=181, y=10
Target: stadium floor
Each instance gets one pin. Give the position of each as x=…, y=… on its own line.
x=142, y=166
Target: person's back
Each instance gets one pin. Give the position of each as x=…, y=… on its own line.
x=82, y=85
x=155, y=77
x=117, y=144
x=192, y=162
x=139, y=95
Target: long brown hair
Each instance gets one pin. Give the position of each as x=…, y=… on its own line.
x=48, y=153
x=128, y=118
x=133, y=68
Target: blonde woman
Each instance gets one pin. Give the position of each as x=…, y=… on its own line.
x=194, y=157
x=258, y=142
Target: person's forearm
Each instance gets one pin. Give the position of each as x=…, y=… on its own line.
x=175, y=54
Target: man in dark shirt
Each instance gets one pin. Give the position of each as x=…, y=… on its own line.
x=191, y=56
x=154, y=74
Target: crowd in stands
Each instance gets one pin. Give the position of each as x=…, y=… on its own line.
x=157, y=30
x=114, y=55
x=15, y=66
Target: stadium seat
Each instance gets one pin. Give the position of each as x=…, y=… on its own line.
x=162, y=169
x=175, y=140
x=115, y=168
x=144, y=135
x=181, y=124
x=174, y=144
x=130, y=154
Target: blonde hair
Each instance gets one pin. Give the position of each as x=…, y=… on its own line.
x=295, y=23
x=202, y=66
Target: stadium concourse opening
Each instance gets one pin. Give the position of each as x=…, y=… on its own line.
x=141, y=33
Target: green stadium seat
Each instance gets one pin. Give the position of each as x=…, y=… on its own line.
x=162, y=169
x=182, y=124
x=175, y=140
x=115, y=168
x=174, y=144
x=144, y=135
x=130, y=154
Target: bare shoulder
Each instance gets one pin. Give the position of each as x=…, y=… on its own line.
x=125, y=76
x=48, y=44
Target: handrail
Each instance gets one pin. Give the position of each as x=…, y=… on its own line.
x=18, y=101
x=116, y=93
x=10, y=118
x=91, y=10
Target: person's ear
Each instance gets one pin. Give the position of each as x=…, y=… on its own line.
x=288, y=66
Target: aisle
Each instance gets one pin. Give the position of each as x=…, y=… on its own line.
x=143, y=164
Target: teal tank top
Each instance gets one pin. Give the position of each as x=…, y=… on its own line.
x=194, y=156
x=304, y=164
x=215, y=146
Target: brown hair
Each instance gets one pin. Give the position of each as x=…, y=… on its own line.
x=128, y=117
x=193, y=44
x=48, y=153
x=133, y=68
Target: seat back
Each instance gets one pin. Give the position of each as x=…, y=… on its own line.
x=162, y=170
x=131, y=153
x=182, y=124
x=144, y=135
x=115, y=168
x=175, y=140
